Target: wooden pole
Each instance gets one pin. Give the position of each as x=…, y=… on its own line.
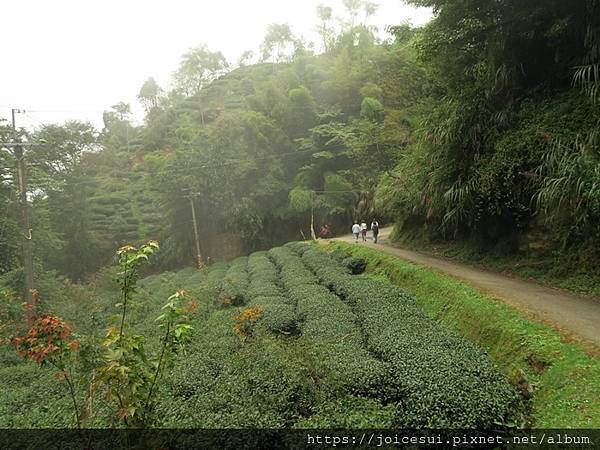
x=312, y=217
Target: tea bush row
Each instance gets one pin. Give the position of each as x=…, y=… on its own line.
x=332, y=330
x=447, y=381
x=217, y=272
x=292, y=270
x=235, y=282
x=278, y=314
x=260, y=386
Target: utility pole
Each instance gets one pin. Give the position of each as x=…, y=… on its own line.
x=25, y=225
x=198, y=255
x=312, y=216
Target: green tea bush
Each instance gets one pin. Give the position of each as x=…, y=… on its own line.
x=261, y=268
x=447, y=381
x=351, y=412
x=299, y=293
x=273, y=300
x=261, y=386
x=180, y=277
x=235, y=282
x=331, y=327
x=194, y=281
x=355, y=265
x=260, y=288
x=278, y=317
x=298, y=247
x=336, y=340
x=217, y=272
x=213, y=341
x=278, y=314
x=292, y=271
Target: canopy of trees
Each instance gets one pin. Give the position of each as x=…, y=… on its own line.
x=482, y=124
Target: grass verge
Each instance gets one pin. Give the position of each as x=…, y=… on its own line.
x=567, y=271
x=564, y=377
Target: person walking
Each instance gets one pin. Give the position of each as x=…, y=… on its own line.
x=375, y=230
x=324, y=231
x=363, y=229
x=356, y=230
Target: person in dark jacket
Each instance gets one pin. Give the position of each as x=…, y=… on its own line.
x=375, y=230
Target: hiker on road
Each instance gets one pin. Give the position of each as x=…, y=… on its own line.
x=375, y=230
x=356, y=230
x=363, y=229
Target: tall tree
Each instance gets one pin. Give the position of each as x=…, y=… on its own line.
x=149, y=95
x=325, y=29
x=278, y=43
x=198, y=67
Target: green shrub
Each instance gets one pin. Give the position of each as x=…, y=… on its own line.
x=183, y=275
x=259, y=288
x=298, y=247
x=355, y=265
x=269, y=300
x=351, y=412
x=278, y=317
x=213, y=341
x=217, y=272
x=278, y=313
x=447, y=382
x=333, y=336
x=235, y=282
x=261, y=386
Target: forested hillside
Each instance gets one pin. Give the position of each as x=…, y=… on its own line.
x=509, y=145
x=177, y=281
x=481, y=125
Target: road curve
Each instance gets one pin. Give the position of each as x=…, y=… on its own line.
x=574, y=315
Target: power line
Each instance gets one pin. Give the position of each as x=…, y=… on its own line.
x=62, y=111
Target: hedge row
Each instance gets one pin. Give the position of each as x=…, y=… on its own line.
x=263, y=385
x=336, y=341
x=213, y=341
x=235, y=282
x=180, y=277
x=446, y=380
x=298, y=247
x=278, y=315
x=217, y=272
x=292, y=270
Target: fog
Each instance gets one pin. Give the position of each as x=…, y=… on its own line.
x=72, y=60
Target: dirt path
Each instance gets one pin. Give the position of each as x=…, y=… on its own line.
x=571, y=314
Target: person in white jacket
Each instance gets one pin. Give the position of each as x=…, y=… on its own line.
x=363, y=229
x=356, y=230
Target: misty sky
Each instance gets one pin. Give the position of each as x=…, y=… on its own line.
x=72, y=59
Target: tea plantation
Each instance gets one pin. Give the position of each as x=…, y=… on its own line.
x=285, y=338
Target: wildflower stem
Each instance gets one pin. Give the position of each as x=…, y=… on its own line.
x=125, y=290
x=160, y=359
x=72, y=391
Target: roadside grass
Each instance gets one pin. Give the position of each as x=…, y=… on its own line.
x=564, y=377
x=564, y=271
